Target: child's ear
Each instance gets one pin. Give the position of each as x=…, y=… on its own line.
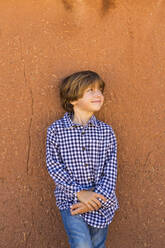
x=73, y=102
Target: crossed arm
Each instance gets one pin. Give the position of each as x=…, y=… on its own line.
x=88, y=202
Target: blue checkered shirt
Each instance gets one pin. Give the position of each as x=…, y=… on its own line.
x=83, y=158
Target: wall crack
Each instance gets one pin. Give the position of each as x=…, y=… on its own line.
x=32, y=109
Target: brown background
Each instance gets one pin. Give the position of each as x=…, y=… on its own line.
x=41, y=42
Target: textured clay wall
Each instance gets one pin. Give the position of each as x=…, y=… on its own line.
x=43, y=41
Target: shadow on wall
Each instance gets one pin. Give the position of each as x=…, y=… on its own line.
x=67, y=4
x=105, y=6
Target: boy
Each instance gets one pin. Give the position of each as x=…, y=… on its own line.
x=82, y=159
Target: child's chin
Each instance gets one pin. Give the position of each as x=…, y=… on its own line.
x=96, y=109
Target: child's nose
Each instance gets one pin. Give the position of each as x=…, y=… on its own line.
x=98, y=93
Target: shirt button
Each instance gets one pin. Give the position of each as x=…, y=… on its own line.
x=86, y=165
x=84, y=148
x=83, y=132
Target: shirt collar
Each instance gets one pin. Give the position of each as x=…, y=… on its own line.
x=67, y=119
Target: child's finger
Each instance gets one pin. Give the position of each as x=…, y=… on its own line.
x=94, y=204
x=74, y=206
x=97, y=202
x=73, y=212
x=91, y=206
x=77, y=211
x=101, y=197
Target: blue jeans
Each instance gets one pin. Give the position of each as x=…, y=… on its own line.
x=80, y=234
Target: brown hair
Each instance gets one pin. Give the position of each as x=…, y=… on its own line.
x=73, y=87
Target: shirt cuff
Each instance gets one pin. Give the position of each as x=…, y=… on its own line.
x=110, y=198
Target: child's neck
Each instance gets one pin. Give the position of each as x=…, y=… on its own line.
x=81, y=117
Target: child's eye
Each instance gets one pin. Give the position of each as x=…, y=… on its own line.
x=90, y=89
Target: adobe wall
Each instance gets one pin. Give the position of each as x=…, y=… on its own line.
x=43, y=41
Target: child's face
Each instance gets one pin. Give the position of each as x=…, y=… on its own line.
x=91, y=101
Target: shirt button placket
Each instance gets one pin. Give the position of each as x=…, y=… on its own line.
x=84, y=148
x=83, y=132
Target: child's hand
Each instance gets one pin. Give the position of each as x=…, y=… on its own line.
x=79, y=208
x=90, y=199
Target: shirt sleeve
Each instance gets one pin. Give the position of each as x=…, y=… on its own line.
x=56, y=167
x=107, y=184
